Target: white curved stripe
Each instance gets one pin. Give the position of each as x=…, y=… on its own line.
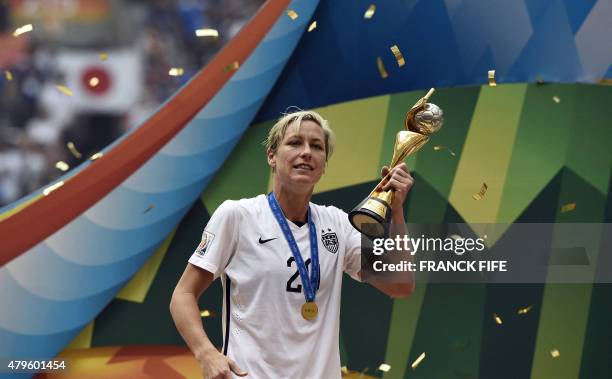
x=89, y=280
x=32, y=315
x=240, y=92
x=88, y=244
x=190, y=137
x=139, y=210
x=170, y=173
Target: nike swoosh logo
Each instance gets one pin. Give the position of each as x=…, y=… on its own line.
x=268, y=240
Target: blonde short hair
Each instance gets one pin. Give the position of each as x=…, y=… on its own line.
x=277, y=132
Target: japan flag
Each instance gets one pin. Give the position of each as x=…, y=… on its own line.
x=109, y=83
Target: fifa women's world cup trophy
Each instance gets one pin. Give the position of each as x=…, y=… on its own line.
x=373, y=215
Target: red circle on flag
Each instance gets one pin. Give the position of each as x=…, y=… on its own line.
x=96, y=80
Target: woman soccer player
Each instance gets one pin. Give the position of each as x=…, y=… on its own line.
x=281, y=259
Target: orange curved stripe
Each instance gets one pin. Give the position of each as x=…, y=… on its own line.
x=26, y=228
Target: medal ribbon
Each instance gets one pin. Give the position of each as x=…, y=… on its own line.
x=309, y=283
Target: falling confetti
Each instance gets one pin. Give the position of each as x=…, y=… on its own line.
x=555, y=353
x=94, y=81
x=369, y=13
x=292, y=14
x=232, y=67
x=381, y=68
x=312, y=26
x=604, y=81
x=63, y=89
x=497, y=319
x=492, y=82
x=52, y=188
x=24, y=29
x=442, y=147
x=205, y=313
x=8, y=75
x=61, y=165
x=74, y=150
x=207, y=33
x=398, y=55
x=523, y=311
x=176, y=71
x=151, y=206
x=384, y=367
x=344, y=370
x=418, y=361
x=568, y=207
x=556, y=99
x=480, y=195
x=103, y=56
x=96, y=156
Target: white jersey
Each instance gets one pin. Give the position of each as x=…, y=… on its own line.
x=263, y=328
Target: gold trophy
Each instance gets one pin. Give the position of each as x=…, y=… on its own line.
x=373, y=215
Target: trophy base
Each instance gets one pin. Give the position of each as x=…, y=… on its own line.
x=371, y=217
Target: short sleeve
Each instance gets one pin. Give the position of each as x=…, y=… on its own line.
x=352, y=254
x=219, y=240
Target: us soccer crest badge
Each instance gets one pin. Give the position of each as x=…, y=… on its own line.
x=330, y=241
x=207, y=239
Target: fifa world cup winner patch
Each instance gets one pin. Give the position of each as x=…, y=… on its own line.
x=207, y=238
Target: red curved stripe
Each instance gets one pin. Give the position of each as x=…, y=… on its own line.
x=31, y=225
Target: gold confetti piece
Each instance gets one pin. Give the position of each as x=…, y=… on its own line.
x=96, y=156
x=398, y=55
x=94, y=81
x=418, y=361
x=63, y=89
x=442, y=147
x=61, y=165
x=176, y=71
x=384, y=367
x=497, y=319
x=604, y=81
x=312, y=26
x=344, y=370
x=369, y=13
x=151, y=206
x=103, y=56
x=52, y=188
x=207, y=33
x=555, y=353
x=568, y=207
x=556, y=99
x=381, y=68
x=480, y=195
x=292, y=14
x=9, y=75
x=456, y=237
x=232, y=67
x=74, y=150
x=205, y=313
x=24, y=29
x=492, y=78
x=523, y=311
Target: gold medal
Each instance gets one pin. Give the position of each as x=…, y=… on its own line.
x=310, y=310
